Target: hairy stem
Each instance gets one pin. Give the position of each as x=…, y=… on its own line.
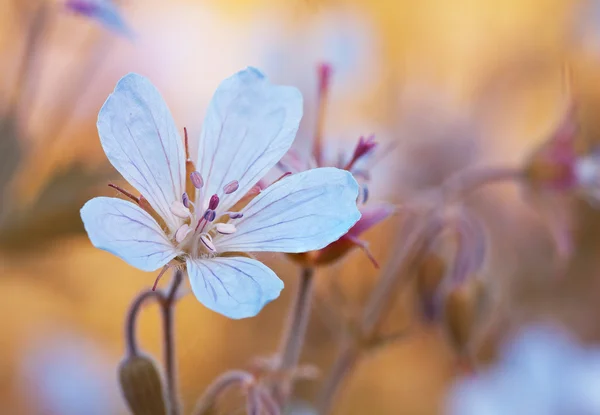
x=131, y=319
x=221, y=384
x=167, y=305
x=294, y=334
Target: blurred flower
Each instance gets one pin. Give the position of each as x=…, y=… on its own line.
x=69, y=375
x=370, y=214
x=542, y=371
x=205, y=223
x=558, y=169
x=103, y=11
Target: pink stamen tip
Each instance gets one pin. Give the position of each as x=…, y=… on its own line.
x=231, y=187
x=185, y=200
x=197, y=179
x=324, y=73
x=214, y=202
x=235, y=215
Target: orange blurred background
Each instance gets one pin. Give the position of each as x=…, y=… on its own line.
x=449, y=84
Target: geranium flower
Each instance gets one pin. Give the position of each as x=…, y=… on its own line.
x=104, y=12
x=201, y=224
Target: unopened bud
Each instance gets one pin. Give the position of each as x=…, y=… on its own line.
x=461, y=311
x=142, y=386
x=231, y=187
x=197, y=179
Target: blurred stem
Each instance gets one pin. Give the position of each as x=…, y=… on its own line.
x=219, y=386
x=36, y=28
x=167, y=305
x=294, y=334
x=344, y=364
x=411, y=244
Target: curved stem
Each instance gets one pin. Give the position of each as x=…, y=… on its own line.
x=295, y=332
x=220, y=385
x=131, y=319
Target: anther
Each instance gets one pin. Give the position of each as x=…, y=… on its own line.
x=234, y=215
x=226, y=228
x=178, y=209
x=206, y=241
x=182, y=232
x=185, y=200
x=197, y=179
x=209, y=215
x=214, y=202
x=231, y=187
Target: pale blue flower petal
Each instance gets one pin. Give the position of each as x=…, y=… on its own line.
x=237, y=287
x=301, y=212
x=125, y=230
x=141, y=141
x=250, y=124
x=104, y=12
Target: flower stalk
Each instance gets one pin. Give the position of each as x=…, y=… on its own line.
x=414, y=241
x=295, y=333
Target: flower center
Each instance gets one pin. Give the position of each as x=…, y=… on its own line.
x=202, y=225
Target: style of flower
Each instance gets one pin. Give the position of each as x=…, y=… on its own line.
x=542, y=371
x=371, y=214
x=104, y=12
x=204, y=223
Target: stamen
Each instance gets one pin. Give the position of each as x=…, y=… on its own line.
x=209, y=215
x=185, y=200
x=364, y=147
x=162, y=271
x=207, y=242
x=197, y=179
x=178, y=209
x=234, y=215
x=231, y=187
x=226, y=228
x=214, y=202
x=187, y=144
x=182, y=232
x=124, y=192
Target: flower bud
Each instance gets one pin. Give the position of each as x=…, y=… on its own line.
x=142, y=386
x=462, y=308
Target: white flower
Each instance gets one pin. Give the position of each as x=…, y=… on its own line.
x=543, y=371
x=249, y=126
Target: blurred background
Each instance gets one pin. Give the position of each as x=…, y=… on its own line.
x=445, y=84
